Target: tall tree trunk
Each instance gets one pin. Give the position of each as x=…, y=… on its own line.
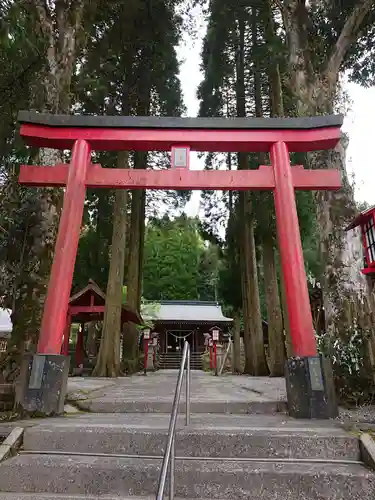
x=59, y=26
x=236, y=342
x=341, y=251
x=253, y=333
x=277, y=110
x=91, y=340
x=275, y=326
x=137, y=224
x=134, y=278
x=315, y=92
x=246, y=278
x=142, y=231
x=108, y=362
x=259, y=363
x=275, y=322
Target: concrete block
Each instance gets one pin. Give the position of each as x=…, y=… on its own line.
x=11, y=444
x=195, y=480
x=310, y=388
x=43, y=384
x=367, y=448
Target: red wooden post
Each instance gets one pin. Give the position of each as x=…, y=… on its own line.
x=215, y=356
x=57, y=300
x=210, y=348
x=146, y=355
x=65, y=348
x=297, y=295
x=155, y=345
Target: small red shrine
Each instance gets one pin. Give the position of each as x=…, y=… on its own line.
x=366, y=220
x=88, y=305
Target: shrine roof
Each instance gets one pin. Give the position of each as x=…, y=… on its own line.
x=361, y=218
x=83, y=299
x=181, y=311
x=157, y=122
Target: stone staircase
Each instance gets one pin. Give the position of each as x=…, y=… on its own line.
x=219, y=456
x=172, y=361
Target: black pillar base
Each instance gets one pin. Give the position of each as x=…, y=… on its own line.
x=310, y=388
x=42, y=385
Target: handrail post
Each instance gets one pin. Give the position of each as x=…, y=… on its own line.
x=171, y=469
x=188, y=388
x=169, y=455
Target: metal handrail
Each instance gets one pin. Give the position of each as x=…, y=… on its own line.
x=169, y=455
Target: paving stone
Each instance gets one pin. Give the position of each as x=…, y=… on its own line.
x=207, y=435
x=47, y=496
x=154, y=393
x=232, y=417
x=193, y=479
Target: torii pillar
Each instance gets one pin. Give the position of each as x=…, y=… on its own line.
x=309, y=384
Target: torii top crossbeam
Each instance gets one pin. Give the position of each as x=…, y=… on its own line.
x=278, y=136
x=152, y=133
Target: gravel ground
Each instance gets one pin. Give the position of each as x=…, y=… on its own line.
x=361, y=417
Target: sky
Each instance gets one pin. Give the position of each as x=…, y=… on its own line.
x=358, y=123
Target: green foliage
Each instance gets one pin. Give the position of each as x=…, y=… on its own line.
x=354, y=382
x=131, y=59
x=178, y=265
x=326, y=21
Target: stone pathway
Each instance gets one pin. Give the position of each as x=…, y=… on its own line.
x=155, y=392
x=239, y=445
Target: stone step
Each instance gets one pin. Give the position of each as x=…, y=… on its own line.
x=47, y=496
x=232, y=480
x=207, y=436
x=174, y=366
x=164, y=405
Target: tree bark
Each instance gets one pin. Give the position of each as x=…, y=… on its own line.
x=243, y=239
x=253, y=332
x=108, y=362
x=60, y=27
x=91, y=340
x=259, y=363
x=130, y=334
x=342, y=251
x=315, y=92
x=275, y=323
x=237, y=342
x=266, y=220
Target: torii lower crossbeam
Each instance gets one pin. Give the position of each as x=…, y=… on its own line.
x=262, y=179
x=279, y=137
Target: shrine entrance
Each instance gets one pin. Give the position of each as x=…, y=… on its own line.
x=309, y=383
x=176, y=338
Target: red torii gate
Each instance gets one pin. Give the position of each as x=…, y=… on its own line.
x=278, y=136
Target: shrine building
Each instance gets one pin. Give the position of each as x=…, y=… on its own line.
x=179, y=320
